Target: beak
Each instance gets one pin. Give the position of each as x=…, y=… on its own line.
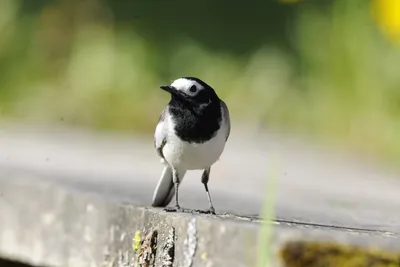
x=172, y=90
x=168, y=88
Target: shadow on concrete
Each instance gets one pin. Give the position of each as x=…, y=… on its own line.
x=9, y=263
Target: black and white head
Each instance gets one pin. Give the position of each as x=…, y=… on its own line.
x=191, y=90
x=197, y=111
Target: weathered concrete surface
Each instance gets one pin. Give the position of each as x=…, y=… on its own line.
x=46, y=224
x=314, y=185
x=319, y=195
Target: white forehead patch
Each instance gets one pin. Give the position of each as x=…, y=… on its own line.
x=184, y=84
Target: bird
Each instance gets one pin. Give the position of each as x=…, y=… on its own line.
x=191, y=134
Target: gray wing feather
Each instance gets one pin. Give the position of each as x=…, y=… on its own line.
x=226, y=118
x=165, y=189
x=160, y=133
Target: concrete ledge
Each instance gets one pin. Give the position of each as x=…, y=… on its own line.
x=45, y=224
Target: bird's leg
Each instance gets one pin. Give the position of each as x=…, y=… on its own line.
x=175, y=179
x=204, y=179
x=176, y=184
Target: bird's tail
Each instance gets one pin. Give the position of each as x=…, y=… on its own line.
x=165, y=189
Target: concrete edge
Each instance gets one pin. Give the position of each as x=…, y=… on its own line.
x=45, y=224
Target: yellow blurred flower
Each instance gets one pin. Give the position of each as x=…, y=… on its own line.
x=387, y=15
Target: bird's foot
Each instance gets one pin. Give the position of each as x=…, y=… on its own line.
x=209, y=211
x=177, y=208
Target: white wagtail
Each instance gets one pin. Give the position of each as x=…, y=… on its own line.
x=190, y=135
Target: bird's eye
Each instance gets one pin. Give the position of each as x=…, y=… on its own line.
x=193, y=88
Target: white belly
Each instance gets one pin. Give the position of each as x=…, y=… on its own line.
x=187, y=156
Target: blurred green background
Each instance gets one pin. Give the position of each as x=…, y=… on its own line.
x=327, y=69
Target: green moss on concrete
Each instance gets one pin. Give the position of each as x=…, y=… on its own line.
x=316, y=254
x=136, y=241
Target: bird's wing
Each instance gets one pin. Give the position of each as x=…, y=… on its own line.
x=161, y=133
x=226, y=119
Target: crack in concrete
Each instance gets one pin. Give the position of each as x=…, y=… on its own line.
x=256, y=219
x=168, y=249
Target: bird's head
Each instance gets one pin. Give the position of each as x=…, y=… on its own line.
x=191, y=90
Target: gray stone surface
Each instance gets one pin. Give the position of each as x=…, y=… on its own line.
x=314, y=185
x=77, y=180
x=46, y=224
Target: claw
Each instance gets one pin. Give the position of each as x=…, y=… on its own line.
x=211, y=210
x=173, y=209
